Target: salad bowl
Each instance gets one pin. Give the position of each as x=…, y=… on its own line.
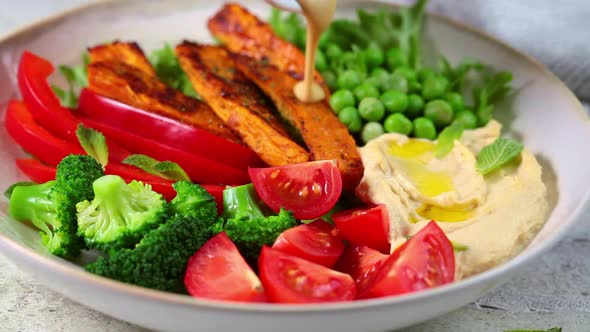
x=543, y=114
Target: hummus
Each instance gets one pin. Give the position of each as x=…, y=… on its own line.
x=495, y=216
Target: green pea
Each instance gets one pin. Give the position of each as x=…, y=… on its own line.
x=365, y=90
x=341, y=99
x=371, y=109
x=395, y=82
x=373, y=56
x=424, y=128
x=424, y=73
x=349, y=79
x=395, y=101
x=380, y=73
x=330, y=79
x=455, y=100
x=350, y=117
x=415, y=105
x=414, y=87
x=408, y=73
x=321, y=63
x=394, y=57
x=371, y=130
x=398, y=123
x=374, y=81
x=434, y=87
x=439, y=111
x=467, y=119
x=333, y=51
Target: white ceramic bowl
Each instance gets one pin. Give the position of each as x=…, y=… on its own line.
x=544, y=115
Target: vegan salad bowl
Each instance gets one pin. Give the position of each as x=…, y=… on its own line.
x=187, y=188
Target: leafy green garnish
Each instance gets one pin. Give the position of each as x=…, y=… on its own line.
x=169, y=71
x=288, y=26
x=554, y=329
x=447, y=138
x=77, y=78
x=458, y=247
x=497, y=154
x=164, y=169
x=94, y=143
x=457, y=75
x=495, y=88
x=8, y=192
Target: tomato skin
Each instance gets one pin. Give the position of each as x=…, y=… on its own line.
x=317, y=242
x=35, y=139
x=362, y=263
x=365, y=226
x=426, y=260
x=199, y=169
x=290, y=279
x=218, y=271
x=166, y=131
x=36, y=170
x=40, y=99
x=309, y=190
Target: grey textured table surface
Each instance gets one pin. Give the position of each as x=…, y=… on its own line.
x=552, y=291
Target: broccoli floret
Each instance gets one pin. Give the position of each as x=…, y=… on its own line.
x=248, y=225
x=120, y=214
x=159, y=259
x=51, y=206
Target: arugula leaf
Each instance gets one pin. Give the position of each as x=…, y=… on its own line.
x=447, y=138
x=94, y=143
x=458, y=247
x=497, y=154
x=9, y=190
x=77, y=78
x=554, y=329
x=169, y=71
x=165, y=169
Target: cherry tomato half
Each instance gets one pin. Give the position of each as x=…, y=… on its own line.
x=424, y=261
x=218, y=271
x=309, y=190
x=365, y=226
x=317, y=242
x=362, y=263
x=290, y=279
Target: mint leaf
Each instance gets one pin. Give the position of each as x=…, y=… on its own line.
x=166, y=169
x=497, y=154
x=94, y=143
x=8, y=192
x=447, y=138
x=77, y=78
x=458, y=247
x=172, y=171
x=169, y=71
x=66, y=98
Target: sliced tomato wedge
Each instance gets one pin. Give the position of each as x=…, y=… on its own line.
x=40, y=99
x=309, y=189
x=290, y=279
x=362, y=263
x=424, y=261
x=36, y=170
x=317, y=242
x=165, y=131
x=35, y=139
x=199, y=169
x=218, y=271
x=365, y=226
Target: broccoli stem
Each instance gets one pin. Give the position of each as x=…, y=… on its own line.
x=32, y=203
x=241, y=199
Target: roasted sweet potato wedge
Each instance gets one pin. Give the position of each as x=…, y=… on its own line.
x=135, y=87
x=126, y=52
x=325, y=136
x=243, y=32
x=239, y=103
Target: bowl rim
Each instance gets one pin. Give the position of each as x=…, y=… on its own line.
x=64, y=267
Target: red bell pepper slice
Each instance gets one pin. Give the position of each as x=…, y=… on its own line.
x=165, y=130
x=199, y=169
x=40, y=99
x=35, y=139
x=36, y=170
